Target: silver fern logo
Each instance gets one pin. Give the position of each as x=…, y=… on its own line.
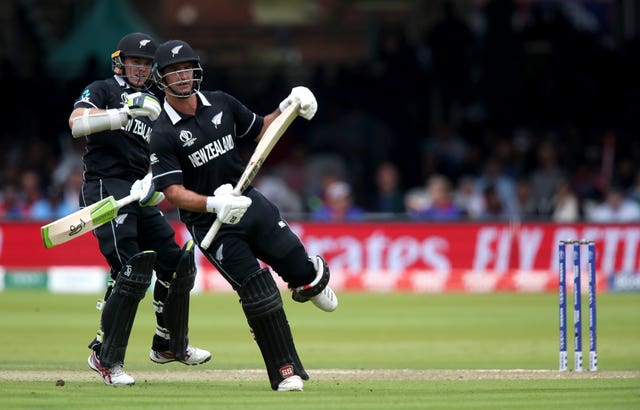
x=120, y=219
x=219, y=253
x=217, y=119
x=175, y=50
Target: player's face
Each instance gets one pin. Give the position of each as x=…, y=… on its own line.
x=179, y=77
x=137, y=70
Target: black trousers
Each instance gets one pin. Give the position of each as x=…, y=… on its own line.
x=262, y=234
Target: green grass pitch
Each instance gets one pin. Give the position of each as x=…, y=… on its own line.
x=377, y=351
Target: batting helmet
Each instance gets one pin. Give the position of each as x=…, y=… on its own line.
x=138, y=45
x=174, y=52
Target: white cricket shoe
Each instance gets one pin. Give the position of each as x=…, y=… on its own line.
x=291, y=383
x=192, y=357
x=326, y=300
x=112, y=376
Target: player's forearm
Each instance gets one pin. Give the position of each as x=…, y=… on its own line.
x=86, y=121
x=268, y=119
x=182, y=198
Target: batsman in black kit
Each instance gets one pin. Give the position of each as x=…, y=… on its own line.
x=194, y=145
x=115, y=116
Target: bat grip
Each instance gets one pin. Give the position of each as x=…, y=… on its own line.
x=206, y=242
x=127, y=200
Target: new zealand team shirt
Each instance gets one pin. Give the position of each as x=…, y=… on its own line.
x=122, y=153
x=201, y=152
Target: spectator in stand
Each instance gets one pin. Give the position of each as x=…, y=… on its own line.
x=71, y=161
x=504, y=185
x=30, y=188
x=71, y=187
x=525, y=207
x=339, y=205
x=587, y=180
x=12, y=207
x=388, y=197
x=10, y=172
x=441, y=206
x=545, y=177
x=494, y=209
x=38, y=158
x=52, y=206
x=316, y=196
x=278, y=192
x=565, y=204
x=616, y=208
x=466, y=197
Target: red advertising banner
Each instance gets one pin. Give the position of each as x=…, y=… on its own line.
x=400, y=256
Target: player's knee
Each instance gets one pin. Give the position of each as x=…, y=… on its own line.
x=185, y=274
x=259, y=294
x=135, y=277
x=295, y=267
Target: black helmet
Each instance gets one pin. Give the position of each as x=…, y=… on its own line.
x=139, y=45
x=174, y=52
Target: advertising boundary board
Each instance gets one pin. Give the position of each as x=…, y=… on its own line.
x=380, y=257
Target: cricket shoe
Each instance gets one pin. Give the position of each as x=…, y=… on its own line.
x=291, y=383
x=112, y=376
x=192, y=357
x=327, y=299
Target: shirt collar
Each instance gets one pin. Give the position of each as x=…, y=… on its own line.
x=121, y=81
x=173, y=114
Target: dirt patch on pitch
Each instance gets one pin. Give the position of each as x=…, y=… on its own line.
x=317, y=375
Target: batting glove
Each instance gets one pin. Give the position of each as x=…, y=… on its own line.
x=308, y=103
x=145, y=190
x=142, y=104
x=228, y=207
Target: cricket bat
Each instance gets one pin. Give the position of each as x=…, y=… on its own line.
x=84, y=220
x=269, y=139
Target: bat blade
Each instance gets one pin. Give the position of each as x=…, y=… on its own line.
x=82, y=221
x=269, y=139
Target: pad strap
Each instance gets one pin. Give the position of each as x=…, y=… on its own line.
x=304, y=293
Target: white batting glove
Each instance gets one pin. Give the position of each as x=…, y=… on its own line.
x=308, y=103
x=228, y=207
x=145, y=190
x=142, y=104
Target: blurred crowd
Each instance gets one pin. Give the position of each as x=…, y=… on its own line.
x=505, y=114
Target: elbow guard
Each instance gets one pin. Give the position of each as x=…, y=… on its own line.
x=112, y=119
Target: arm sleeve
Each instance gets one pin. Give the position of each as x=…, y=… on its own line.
x=165, y=164
x=93, y=96
x=248, y=123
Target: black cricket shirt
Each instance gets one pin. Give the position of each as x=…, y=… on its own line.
x=201, y=151
x=122, y=153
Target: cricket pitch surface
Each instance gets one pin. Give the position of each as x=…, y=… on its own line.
x=197, y=375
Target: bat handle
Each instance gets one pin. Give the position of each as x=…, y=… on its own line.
x=206, y=242
x=215, y=227
x=127, y=200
